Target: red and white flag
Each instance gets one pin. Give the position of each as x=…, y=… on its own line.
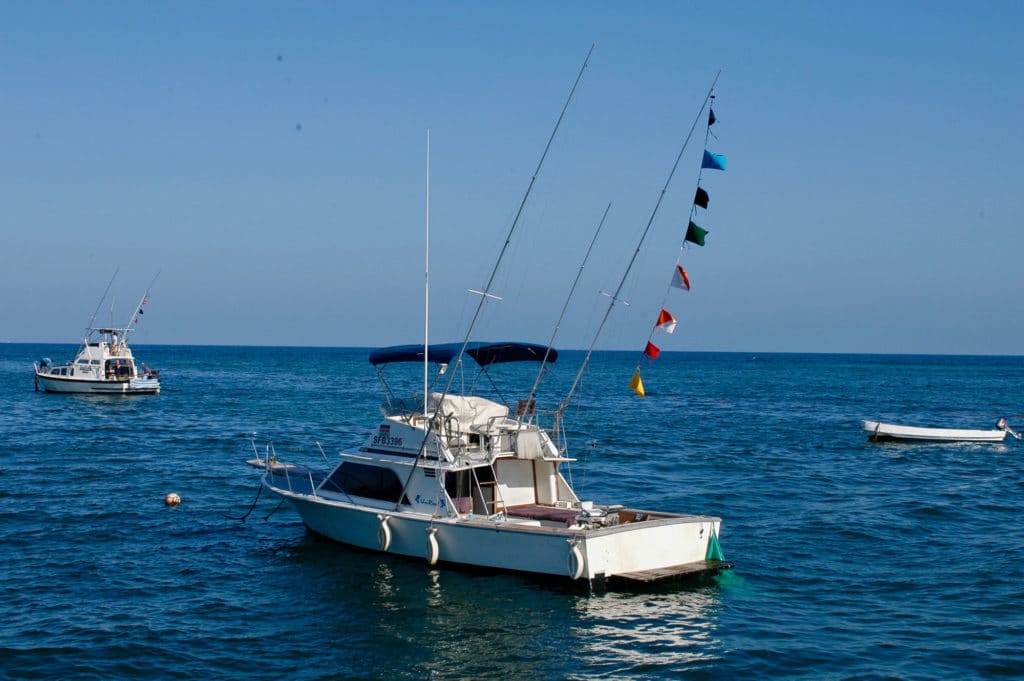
x=666, y=322
x=680, y=280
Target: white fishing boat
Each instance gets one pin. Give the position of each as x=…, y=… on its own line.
x=104, y=364
x=882, y=432
x=470, y=481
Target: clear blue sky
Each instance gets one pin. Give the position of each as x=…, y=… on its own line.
x=268, y=160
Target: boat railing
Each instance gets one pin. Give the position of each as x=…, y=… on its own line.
x=276, y=469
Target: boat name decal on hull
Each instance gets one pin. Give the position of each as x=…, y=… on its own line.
x=385, y=438
x=429, y=502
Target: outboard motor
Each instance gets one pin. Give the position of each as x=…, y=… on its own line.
x=1001, y=425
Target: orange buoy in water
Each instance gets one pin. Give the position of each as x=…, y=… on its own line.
x=172, y=499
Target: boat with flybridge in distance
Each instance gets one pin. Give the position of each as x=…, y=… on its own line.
x=104, y=364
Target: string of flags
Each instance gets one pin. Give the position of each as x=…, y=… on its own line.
x=695, y=234
x=145, y=301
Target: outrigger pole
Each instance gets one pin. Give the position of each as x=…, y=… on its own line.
x=92, y=320
x=128, y=326
x=565, y=307
x=650, y=221
x=486, y=293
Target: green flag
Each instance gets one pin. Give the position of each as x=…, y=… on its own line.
x=695, y=233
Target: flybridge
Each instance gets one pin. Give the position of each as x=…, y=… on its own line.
x=484, y=354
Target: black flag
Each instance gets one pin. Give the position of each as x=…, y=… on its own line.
x=711, y=117
x=701, y=199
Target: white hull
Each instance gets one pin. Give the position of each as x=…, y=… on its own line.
x=135, y=386
x=891, y=431
x=669, y=544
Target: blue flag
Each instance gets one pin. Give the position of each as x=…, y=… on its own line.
x=713, y=161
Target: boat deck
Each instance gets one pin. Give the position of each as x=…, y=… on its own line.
x=563, y=516
x=675, y=571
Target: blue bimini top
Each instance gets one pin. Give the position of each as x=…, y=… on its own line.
x=483, y=353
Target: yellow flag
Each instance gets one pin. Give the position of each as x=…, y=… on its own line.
x=637, y=385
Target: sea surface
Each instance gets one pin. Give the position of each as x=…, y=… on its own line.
x=852, y=559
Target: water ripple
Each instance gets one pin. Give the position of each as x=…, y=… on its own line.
x=853, y=559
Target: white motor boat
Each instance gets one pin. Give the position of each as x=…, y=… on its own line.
x=104, y=364
x=466, y=480
x=882, y=432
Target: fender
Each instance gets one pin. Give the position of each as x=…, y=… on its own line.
x=432, y=549
x=383, y=532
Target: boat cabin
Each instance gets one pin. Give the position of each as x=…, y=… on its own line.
x=454, y=455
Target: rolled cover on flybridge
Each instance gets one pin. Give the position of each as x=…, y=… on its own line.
x=893, y=432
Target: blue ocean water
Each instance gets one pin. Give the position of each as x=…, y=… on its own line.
x=852, y=559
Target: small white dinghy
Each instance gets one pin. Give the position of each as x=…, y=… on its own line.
x=882, y=432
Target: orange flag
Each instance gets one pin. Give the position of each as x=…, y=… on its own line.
x=666, y=322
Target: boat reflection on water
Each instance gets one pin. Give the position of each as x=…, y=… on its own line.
x=458, y=624
x=659, y=634
x=385, y=618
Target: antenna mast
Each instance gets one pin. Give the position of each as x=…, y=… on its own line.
x=426, y=293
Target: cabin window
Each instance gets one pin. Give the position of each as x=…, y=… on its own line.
x=362, y=480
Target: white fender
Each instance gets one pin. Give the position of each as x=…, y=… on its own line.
x=383, y=533
x=574, y=561
x=432, y=549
